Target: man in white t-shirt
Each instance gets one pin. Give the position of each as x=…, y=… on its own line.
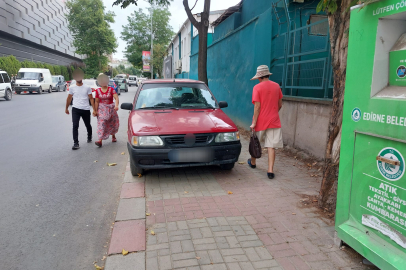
x=81, y=95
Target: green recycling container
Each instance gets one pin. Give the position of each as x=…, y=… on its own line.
x=371, y=199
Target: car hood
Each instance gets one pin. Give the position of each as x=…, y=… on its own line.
x=165, y=122
x=26, y=81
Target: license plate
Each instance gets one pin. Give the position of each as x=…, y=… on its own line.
x=25, y=88
x=191, y=155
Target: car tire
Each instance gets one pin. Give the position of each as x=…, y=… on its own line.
x=227, y=167
x=8, y=95
x=58, y=89
x=50, y=89
x=40, y=90
x=64, y=89
x=134, y=169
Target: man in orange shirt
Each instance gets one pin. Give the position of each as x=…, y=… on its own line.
x=267, y=100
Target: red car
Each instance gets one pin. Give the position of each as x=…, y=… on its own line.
x=179, y=123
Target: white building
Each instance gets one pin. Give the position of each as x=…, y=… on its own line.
x=180, y=47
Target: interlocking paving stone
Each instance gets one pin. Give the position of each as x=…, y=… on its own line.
x=130, y=261
x=128, y=235
x=255, y=222
x=133, y=208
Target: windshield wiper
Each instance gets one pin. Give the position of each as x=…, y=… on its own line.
x=160, y=107
x=198, y=107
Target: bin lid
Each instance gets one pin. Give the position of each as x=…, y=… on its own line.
x=400, y=45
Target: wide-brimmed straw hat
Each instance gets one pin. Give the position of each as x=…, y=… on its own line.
x=262, y=71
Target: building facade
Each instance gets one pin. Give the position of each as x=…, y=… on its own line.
x=179, y=50
x=36, y=30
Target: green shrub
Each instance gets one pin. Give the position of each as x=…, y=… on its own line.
x=57, y=70
x=9, y=64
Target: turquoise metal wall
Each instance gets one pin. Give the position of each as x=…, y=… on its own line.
x=232, y=62
x=255, y=36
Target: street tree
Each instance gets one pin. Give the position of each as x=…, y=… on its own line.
x=339, y=22
x=158, y=58
x=202, y=27
x=91, y=31
x=137, y=34
x=126, y=3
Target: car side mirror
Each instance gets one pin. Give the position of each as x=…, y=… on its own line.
x=223, y=104
x=41, y=79
x=127, y=106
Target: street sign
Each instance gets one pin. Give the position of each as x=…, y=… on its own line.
x=146, y=59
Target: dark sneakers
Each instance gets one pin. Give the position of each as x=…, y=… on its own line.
x=89, y=140
x=75, y=146
x=271, y=175
x=249, y=163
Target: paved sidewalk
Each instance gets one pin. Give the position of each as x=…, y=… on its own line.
x=261, y=225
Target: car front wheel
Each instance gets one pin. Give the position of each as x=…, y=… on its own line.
x=227, y=167
x=50, y=89
x=135, y=171
x=8, y=95
x=40, y=90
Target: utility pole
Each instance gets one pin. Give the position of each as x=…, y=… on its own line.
x=152, y=43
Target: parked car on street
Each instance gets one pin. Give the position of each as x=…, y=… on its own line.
x=59, y=83
x=132, y=80
x=121, y=76
x=33, y=80
x=122, y=84
x=179, y=123
x=140, y=80
x=6, y=91
x=113, y=84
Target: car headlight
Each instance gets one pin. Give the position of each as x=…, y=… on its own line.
x=147, y=141
x=227, y=137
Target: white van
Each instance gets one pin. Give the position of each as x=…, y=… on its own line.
x=33, y=80
x=132, y=80
x=121, y=76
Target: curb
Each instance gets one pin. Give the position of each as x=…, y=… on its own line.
x=129, y=227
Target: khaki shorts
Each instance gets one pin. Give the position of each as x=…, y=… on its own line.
x=272, y=137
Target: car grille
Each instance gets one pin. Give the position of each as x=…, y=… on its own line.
x=179, y=140
x=23, y=85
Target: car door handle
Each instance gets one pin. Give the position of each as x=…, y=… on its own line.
x=389, y=161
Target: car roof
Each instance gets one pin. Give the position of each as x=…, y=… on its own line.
x=148, y=81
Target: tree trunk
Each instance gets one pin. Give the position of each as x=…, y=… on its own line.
x=339, y=26
x=202, y=65
x=202, y=27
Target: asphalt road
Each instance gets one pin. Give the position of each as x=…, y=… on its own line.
x=57, y=205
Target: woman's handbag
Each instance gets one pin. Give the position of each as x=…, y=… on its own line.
x=255, y=147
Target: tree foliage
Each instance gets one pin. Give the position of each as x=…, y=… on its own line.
x=92, y=35
x=121, y=69
x=158, y=58
x=137, y=33
x=126, y=3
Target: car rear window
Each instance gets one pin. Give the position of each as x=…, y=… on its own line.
x=180, y=96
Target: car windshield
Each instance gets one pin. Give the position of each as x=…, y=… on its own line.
x=55, y=79
x=28, y=75
x=175, y=97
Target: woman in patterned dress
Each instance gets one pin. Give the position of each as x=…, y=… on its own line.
x=106, y=111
